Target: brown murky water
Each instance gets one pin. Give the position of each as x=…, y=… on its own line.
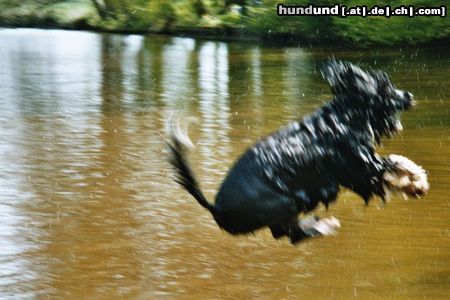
x=87, y=207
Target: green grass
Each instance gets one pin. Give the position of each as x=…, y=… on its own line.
x=260, y=21
x=67, y=14
x=71, y=13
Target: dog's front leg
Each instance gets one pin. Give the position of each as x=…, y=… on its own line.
x=369, y=174
x=404, y=176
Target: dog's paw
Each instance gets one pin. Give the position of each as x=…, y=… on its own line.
x=406, y=177
x=313, y=226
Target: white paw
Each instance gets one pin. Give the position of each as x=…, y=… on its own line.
x=407, y=178
x=313, y=227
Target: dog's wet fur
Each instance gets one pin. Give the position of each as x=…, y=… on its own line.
x=305, y=163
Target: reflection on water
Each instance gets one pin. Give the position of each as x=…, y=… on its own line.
x=88, y=208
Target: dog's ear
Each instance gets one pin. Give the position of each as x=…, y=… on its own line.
x=332, y=72
x=385, y=85
x=348, y=79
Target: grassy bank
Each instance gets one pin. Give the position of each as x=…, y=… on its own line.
x=40, y=13
x=227, y=18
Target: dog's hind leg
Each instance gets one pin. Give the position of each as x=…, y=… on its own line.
x=279, y=231
x=296, y=234
x=292, y=230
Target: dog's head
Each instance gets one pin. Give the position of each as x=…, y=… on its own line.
x=368, y=94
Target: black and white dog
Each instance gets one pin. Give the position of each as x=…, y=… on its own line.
x=294, y=169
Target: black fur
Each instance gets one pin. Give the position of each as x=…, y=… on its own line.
x=306, y=162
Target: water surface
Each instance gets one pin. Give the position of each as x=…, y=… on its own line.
x=88, y=209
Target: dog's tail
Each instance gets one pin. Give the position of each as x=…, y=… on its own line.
x=183, y=172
